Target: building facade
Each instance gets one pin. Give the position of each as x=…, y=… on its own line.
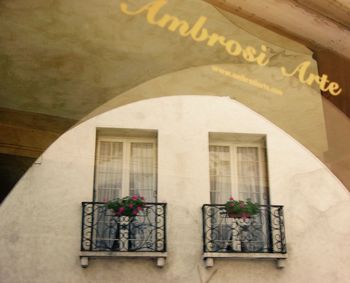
x=196, y=106
x=41, y=227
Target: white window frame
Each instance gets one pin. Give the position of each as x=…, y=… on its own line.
x=263, y=180
x=126, y=155
x=234, y=162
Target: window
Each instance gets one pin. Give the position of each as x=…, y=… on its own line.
x=238, y=168
x=126, y=164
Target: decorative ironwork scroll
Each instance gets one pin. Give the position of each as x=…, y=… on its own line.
x=102, y=230
x=262, y=233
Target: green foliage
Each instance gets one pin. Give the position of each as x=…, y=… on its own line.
x=127, y=206
x=244, y=208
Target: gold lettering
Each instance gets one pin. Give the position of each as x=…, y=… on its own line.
x=213, y=38
x=312, y=78
x=236, y=51
x=198, y=27
x=199, y=33
x=260, y=59
x=333, y=87
x=322, y=81
x=248, y=54
x=152, y=8
x=301, y=69
x=174, y=24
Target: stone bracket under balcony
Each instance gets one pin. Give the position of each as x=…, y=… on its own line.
x=160, y=257
x=278, y=257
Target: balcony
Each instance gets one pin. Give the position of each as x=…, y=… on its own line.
x=105, y=235
x=260, y=237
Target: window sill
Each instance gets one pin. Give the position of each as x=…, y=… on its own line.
x=279, y=257
x=159, y=256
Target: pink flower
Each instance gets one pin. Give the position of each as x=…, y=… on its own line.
x=131, y=205
x=134, y=197
x=232, y=204
x=135, y=212
x=142, y=198
x=121, y=210
x=139, y=208
x=245, y=216
x=231, y=198
x=241, y=204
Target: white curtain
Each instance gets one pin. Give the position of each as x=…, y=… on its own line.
x=136, y=161
x=250, y=183
x=109, y=171
x=248, y=178
x=220, y=173
x=238, y=174
x=108, y=186
x=143, y=170
x=143, y=182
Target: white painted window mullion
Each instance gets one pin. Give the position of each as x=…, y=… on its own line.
x=126, y=165
x=234, y=174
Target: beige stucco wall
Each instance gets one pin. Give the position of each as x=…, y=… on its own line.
x=65, y=59
x=298, y=109
x=40, y=220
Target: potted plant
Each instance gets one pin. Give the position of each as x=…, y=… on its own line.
x=128, y=206
x=241, y=209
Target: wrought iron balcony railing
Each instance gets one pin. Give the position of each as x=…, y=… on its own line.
x=262, y=233
x=102, y=230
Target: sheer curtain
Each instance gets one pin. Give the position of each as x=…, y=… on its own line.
x=108, y=186
x=247, y=180
x=220, y=173
x=142, y=170
x=248, y=177
x=240, y=173
x=251, y=182
x=109, y=171
x=124, y=168
x=143, y=182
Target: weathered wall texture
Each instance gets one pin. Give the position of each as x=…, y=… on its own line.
x=40, y=220
x=65, y=58
x=60, y=59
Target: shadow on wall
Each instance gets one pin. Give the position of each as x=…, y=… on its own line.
x=12, y=168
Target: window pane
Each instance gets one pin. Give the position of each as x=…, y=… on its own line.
x=248, y=173
x=142, y=170
x=109, y=169
x=220, y=173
